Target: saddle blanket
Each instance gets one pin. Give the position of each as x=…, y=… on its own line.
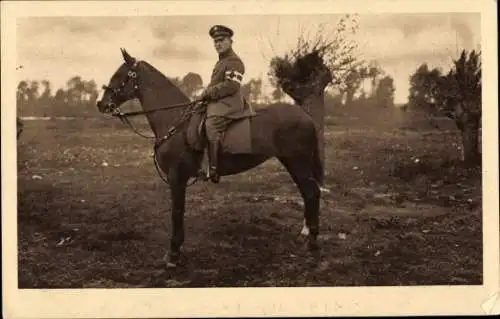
x=236, y=140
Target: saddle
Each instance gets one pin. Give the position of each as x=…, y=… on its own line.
x=237, y=138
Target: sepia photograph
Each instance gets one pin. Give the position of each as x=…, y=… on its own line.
x=153, y=149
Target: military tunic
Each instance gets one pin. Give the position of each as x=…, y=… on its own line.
x=224, y=89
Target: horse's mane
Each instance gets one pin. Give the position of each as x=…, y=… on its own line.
x=163, y=81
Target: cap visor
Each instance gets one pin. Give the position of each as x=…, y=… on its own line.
x=220, y=37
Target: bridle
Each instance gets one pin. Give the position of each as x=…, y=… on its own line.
x=115, y=111
x=131, y=76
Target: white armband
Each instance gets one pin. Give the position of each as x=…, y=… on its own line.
x=234, y=75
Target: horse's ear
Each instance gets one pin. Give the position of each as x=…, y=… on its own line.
x=127, y=57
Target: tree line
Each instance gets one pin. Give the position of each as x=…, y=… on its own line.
x=456, y=94
x=78, y=96
x=36, y=98
x=380, y=90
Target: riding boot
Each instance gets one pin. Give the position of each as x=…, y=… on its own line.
x=202, y=173
x=213, y=152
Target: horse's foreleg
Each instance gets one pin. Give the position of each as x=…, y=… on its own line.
x=178, y=198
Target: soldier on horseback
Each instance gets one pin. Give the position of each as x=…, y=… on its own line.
x=225, y=102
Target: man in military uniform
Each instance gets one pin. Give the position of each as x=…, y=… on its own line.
x=225, y=103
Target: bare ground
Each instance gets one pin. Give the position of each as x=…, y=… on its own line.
x=94, y=213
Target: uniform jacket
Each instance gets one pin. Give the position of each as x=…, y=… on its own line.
x=224, y=90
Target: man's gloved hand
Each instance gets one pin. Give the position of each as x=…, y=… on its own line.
x=205, y=96
x=200, y=95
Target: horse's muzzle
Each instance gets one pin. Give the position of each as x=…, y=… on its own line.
x=105, y=108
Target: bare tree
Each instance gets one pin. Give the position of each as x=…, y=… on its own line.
x=314, y=64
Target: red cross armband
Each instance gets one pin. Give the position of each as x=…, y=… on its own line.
x=231, y=81
x=234, y=75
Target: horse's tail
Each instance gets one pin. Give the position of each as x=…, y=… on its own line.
x=318, y=169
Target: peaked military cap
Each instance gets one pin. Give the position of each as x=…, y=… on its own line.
x=220, y=31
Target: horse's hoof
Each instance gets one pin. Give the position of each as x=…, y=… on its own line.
x=215, y=178
x=171, y=260
x=202, y=176
x=313, y=245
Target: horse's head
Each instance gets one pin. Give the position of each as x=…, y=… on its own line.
x=122, y=87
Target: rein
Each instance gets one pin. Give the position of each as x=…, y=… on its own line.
x=168, y=107
x=124, y=118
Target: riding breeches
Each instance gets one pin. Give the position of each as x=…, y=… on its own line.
x=216, y=126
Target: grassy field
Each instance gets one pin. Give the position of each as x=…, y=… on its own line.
x=401, y=211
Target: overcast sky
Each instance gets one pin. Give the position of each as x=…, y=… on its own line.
x=57, y=48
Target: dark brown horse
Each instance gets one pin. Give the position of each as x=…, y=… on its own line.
x=281, y=130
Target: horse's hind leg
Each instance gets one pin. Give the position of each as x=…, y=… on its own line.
x=302, y=175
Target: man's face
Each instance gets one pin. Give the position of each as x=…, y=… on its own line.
x=222, y=44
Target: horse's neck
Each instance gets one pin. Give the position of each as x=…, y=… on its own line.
x=158, y=92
